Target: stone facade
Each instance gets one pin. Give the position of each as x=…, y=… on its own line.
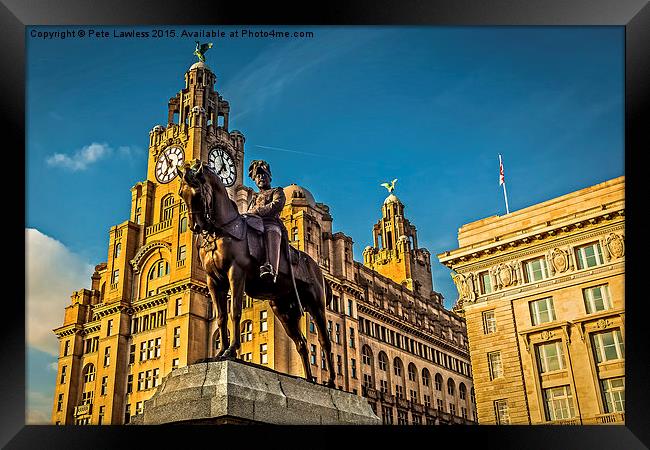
x=542, y=291
x=148, y=309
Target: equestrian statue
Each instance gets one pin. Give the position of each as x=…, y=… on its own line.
x=250, y=254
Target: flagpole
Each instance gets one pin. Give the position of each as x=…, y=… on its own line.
x=502, y=180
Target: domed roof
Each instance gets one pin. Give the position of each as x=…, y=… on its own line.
x=392, y=199
x=293, y=191
x=199, y=65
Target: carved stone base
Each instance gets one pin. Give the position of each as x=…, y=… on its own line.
x=235, y=392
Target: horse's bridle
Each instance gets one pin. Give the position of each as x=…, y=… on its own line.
x=207, y=199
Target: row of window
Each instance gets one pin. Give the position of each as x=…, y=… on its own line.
x=586, y=256
x=559, y=403
x=246, y=329
x=416, y=419
x=149, y=321
x=596, y=299
x=412, y=346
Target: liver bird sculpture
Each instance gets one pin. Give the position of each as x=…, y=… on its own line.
x=201, y=49
x=390, y=186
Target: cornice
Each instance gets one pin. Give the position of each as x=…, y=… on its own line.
x=474, y=258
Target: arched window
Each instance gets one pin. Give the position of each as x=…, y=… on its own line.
x=247, y=331
x=451, y=386
x=118, y=249
x=167, y=207
x=159, y=269
x=383, y=361
x=462, y=391
x=366, y=355
x=183, y=224
x=89, y=373
x=398, y=367
x=413, y=372
x=438, y=381
x=426, y=377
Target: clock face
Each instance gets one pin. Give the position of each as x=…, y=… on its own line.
x=167, y=162
x=223, y=165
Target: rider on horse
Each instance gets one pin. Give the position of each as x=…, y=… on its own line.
x=267, y=204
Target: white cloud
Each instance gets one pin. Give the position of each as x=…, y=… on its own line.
x=39, y=405
x=53, y=273
x=88, y=155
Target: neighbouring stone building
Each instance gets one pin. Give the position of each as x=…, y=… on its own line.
x=543, y=292
x=146, y=312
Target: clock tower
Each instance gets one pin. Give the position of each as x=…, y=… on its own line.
x=197, y=129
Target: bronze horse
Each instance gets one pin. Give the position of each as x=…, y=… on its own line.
x=229, y=265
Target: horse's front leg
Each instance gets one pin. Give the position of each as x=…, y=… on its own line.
x=219, y=296
x=236, y=276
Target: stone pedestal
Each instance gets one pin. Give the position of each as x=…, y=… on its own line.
x=234, y=391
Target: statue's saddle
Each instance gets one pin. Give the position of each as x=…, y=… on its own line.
x=251, y=227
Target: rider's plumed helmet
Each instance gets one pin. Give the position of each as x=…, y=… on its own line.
x=258, y=166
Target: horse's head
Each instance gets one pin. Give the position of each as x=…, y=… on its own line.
x=197, y=195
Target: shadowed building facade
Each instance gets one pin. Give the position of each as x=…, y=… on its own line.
x=147, y=310
x=542, y=290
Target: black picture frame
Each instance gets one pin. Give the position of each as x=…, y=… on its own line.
x=634, y=15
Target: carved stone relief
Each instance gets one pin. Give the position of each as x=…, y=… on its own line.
x=504, y=274
x=559, y=260
x=615, y=245
x=465, y=286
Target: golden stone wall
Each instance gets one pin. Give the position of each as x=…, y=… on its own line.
x=500, y=249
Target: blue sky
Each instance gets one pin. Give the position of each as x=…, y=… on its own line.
x=338, y=113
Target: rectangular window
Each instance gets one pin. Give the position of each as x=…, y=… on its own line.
x=264, y=326
x=141, y=381
x=107, y=356
x=335, y=303
x=337, y=336
x=177, y=337
x=399, y=391
x=485, y=281
x=294, y=234
x=182, y=252
x=109, y=327
x=175, y=363
x=63, y=374
x=452, y=409
x=608, y=345
x=138, y=408
x=501, y=412
x=402, y=417
x=129, y=384
x=441, y=405
x=148, y=381
x=614, y=393
x=589, y=256
x=150, y=349
x=66, y=348
x=156, y=377
x=559, y=403
x=414, y=395
x=143, y=351
x=383, y=385
x=127, y=413
x=387, y=415
x=132, y=354
x=100, y=418
x=350, y=308
x=104, y=386
x=351, y=337
x=312, y=354
x=542, y=311
x=116, y=276
x=427, y=400
x=156, y=349
x=550, y=357
x=535, y=270
x=330, y=335
x=312, y=327
x=323, y=363
x=59, y=403
x=339, y=364
x=263, y=355
x=353, y=367
x=489, y=322
x=179, y=304
x=597, y=299
x=494, y=362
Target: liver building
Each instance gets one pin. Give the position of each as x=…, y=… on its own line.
x=148, y=309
